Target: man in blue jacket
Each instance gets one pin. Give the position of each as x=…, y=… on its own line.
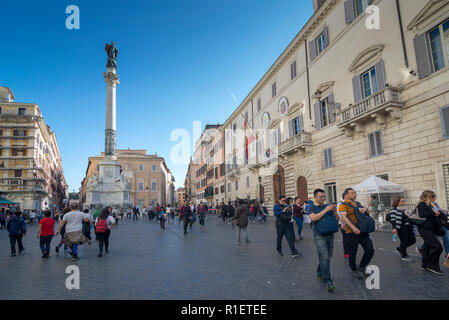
x=284, y=226
x=17, y=229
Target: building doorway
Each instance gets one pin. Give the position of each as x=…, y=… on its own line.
x=301, y=189
x=278, y=184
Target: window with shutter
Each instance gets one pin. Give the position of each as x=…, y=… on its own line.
x=380, y=75
x=324, y=106
x=379, y=148
x=291, y=131
x=422, y=53
x=273, y=89
x=439, y=46
x=326, y=36
x=320, y=43
x=369, y=83
x=357, y=87
x=313, y=50
x=331, y=107
x=349, y=11
x=317, y=113
x=327, y=158
x=293, y=70
x=444, y=115
x=372, y=147
x=375, y=143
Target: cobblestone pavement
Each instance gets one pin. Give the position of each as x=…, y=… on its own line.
x=147, y=263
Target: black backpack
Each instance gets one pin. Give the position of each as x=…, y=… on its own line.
x=365, y=223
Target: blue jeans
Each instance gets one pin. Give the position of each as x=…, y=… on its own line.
x=202, y=218
x=446, y=240
x=325, y=245
x=44, y=243
x=299, y=222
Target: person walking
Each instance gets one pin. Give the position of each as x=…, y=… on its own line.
x=402, y=228
x=62, y=232
x=374, y=206
x=230, y=215
x=103, y=226
x=252, y=212
x=355, y=236
x=185, y=214
x=223, y=211
x=324, y=224
x=263, y=213
x=73, y=222
x=298, y=215
x=45, y=233
x=444, y=214
x=241, y=220
x=202, y=214
x=193, y=210
x=342, y=225
x=427, y=229
x=17, y=230
x=284, y=226
x=87, y=225
x=172, y=214
x=2, y=219
x=32, y=216
x=162, y=218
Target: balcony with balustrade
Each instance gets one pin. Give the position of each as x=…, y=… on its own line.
x=377, y=106
x=300, y=142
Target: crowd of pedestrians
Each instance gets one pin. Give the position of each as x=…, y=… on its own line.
x=348, y=217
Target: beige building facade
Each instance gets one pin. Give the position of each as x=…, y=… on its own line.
x=180, y=196
x=31, y=171
x=348, y=99
x=147, y=176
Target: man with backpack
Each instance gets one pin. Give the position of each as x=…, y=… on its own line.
x=324, y=225
x=284, y=226
x=358, y=226
x=241, y=218
x=17, y=229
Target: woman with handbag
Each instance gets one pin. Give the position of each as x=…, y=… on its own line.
x=429, y=229
x=402, y=228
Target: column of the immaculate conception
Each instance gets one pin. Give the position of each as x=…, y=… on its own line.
x=109, y=187
x=111, y=79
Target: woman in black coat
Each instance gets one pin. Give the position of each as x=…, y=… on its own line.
x=432, y=246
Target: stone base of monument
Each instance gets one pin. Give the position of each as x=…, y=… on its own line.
x=108, y=188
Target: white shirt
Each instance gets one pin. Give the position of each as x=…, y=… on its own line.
x=74, y=220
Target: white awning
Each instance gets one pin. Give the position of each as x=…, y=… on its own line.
x=377, y=185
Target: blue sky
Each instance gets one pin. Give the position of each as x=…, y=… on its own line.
x=178, y=62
